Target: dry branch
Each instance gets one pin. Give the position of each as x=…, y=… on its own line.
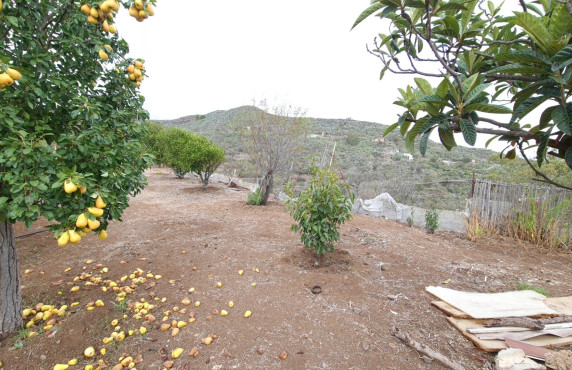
x=405, y=338
x=526, y=322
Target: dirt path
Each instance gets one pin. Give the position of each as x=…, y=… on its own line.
x=374, y=282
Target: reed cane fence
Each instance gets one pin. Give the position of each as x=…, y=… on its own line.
x=542, y=215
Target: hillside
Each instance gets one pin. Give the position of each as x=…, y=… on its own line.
x=370, y=164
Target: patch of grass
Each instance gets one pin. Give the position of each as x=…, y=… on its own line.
x=19, y=344
x=23, y=333
x=121, y=306
x=526, y=286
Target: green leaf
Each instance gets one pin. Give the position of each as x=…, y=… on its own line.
x=534, y=27
x=412, y=134
x=560, y=21
x=489, y=141
x=469, y=131
x=511, y=154
x=423, y=142
x=390, y=128
x=366, y=13
x=524, y=56
x=563, y=55
x=487, y=108
x=527, y=107
x=424, y=86
x=543, y=147
x=446, y=136
x=563, y=118
x=476, y=92
x=546, y=117
x=442, y=89
x=469, y=84
x=568, y=157
x=517, y=68
x=467, y=14
x=451, y=24
x=450, y=6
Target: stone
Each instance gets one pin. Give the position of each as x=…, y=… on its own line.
x=514, y=359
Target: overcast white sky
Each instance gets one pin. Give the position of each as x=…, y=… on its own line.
x=206, y=55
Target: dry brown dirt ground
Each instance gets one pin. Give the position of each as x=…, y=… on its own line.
x=196, y=238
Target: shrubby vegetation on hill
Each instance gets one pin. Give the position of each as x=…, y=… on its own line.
x=372, y=166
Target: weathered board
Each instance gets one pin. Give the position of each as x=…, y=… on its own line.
x=494, y=305
x=462, y=325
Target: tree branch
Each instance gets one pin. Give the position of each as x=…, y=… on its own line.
x=545, y=178
x=481, y=130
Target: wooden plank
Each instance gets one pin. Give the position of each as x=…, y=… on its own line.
x=450, y=310
x=494, y=305
x=535, y=352
x=561, y=304
x=497, y=345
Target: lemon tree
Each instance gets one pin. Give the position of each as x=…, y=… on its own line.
x=70, y=113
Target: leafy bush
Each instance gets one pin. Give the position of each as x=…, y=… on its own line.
x=184, y=151
x=255, y=198
x=431, y=220
x=320, y=210
x=208, y=158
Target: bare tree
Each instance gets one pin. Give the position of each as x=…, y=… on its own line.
x=273, y=138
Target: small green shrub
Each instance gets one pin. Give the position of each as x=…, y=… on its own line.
x=526, y=286
x=320, y=210
x=431, y=220
x=254, y=198
x=411, y=219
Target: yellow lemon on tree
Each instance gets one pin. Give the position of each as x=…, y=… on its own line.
x=64, y=239
x=97, y=212
x=103, y=55
x=74, y=237
x=5, y=79
x=150, y=10
x=93, y=224
x=81, y=221
x=138, y=4
x=92, y=20
x=133, y=12
x=86, y=9
x=99, y=203
x=14, y=74
x=102, y=235
x=69, y=186
x=138, y=64
x=93, y=12
x=112, y=29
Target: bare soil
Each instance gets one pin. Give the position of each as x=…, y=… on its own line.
x=373, y=283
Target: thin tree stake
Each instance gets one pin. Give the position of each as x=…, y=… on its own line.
x=405, y=338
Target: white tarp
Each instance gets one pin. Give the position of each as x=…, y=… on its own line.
x=494, y=305
x=382, y=205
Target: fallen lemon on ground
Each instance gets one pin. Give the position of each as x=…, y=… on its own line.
x=247, y=314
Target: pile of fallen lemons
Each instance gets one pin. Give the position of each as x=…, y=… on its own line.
x=86, y=221
x=138, y=316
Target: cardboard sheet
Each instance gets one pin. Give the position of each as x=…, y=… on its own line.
x=494, y=305
x=561, y=304
x=548, y=341
x=450, y=310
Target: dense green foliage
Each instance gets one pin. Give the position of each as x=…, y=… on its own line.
x=320, y=210
x=71, y=116
x=184, y=151
x=486, y=63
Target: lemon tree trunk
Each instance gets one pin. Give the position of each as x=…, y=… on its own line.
x=10, y=294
